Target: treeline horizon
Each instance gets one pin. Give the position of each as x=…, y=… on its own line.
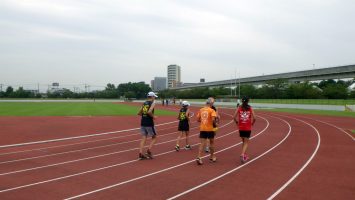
x=275, y=89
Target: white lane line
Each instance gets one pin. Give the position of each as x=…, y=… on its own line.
x=79, y=150
x=87, y=158
x=160, y=171
x=92, y=157
x=342, y=130
x=304, y=166
x=235, y=169
x=77, y=137
x=94, y=170
x=79, y=143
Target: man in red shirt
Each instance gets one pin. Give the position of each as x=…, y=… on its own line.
x=245, y=118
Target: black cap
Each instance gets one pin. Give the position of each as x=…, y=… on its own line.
x=245, y=99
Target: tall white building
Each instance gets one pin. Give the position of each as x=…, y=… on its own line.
x=174, y=76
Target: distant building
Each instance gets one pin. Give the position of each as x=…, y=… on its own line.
x=159, y=83
x=174, y=76
x=202, y=80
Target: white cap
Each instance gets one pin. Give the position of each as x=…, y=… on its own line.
x=185, y=103
x=152, y=94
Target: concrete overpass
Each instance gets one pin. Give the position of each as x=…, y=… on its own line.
x=339, y=72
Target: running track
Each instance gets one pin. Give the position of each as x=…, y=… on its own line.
x=292, y=157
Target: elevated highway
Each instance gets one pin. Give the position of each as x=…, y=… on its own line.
x=340, y=72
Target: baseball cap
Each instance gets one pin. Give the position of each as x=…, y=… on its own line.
x=152, y=94
x=185, y=103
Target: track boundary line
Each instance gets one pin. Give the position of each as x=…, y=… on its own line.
x=329, y=124
x=237, y=168
x=304, y=166
x=77, y=137
x=160, y=171
x=97, y=156
x=91, y=171
x=79, y=150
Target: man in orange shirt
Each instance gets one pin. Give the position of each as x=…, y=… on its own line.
x=207, y=117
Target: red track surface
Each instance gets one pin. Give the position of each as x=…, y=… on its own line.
x=291, y=157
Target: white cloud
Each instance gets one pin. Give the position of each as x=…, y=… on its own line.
x=135, y=40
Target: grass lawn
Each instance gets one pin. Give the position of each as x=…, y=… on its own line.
x=70, y=109
x=314, y=112
x=353, y=131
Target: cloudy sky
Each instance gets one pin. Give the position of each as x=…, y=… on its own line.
x=100, y=41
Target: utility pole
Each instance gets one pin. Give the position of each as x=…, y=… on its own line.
x=37, y=88
x=235, y=82
x=239, y=86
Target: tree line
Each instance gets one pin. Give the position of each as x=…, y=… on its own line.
x=275, y=89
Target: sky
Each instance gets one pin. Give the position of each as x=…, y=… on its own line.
x=95, y=42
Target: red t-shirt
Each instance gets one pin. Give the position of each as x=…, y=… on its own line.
x=244, y=119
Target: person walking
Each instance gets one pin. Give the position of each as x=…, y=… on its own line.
x=206, y=116
x=215, y=125
x=184, y=125
x=147, y=126
x=245, y=118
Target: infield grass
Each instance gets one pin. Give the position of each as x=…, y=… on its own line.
x=70, y=109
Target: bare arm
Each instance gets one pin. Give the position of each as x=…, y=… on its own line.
x=198, y=117
x=140, y=111
x=150, y=111
x=235, y=116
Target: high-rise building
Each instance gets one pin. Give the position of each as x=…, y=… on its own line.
x=159, y=83
x=174, y=76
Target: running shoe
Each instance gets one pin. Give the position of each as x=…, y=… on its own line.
x=177, y=148
x=199, y=161
x=149, y=154
x=207, y=149
x=188, y=147
x=245, y=157
x=141, y=156
x=214, y=159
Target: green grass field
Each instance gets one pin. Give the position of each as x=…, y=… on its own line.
x=314, y=112
x=70, y=109
x=353, y=131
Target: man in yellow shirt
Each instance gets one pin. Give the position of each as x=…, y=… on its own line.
x=207, y=117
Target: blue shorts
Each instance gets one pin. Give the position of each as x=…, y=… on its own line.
x=148, y=131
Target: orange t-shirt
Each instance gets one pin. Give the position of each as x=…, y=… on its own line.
x=206, y=114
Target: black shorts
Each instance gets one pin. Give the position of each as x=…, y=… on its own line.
x=207, y=134
x=245, y=134
x=184, y=126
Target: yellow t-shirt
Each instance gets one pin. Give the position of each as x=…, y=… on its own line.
x=206, y=114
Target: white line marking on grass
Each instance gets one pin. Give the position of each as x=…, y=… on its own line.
x=235, y=169
x=160, y=171
x=304, y=166
x=94, y=170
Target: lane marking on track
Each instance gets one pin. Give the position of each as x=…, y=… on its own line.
x=304, y=166
x=78, y=143
x=78, y=137
x=80, y=150
x=237, y=168
x=95, y=170
x=161, y=171
x=98, y=156
x=342, y=130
